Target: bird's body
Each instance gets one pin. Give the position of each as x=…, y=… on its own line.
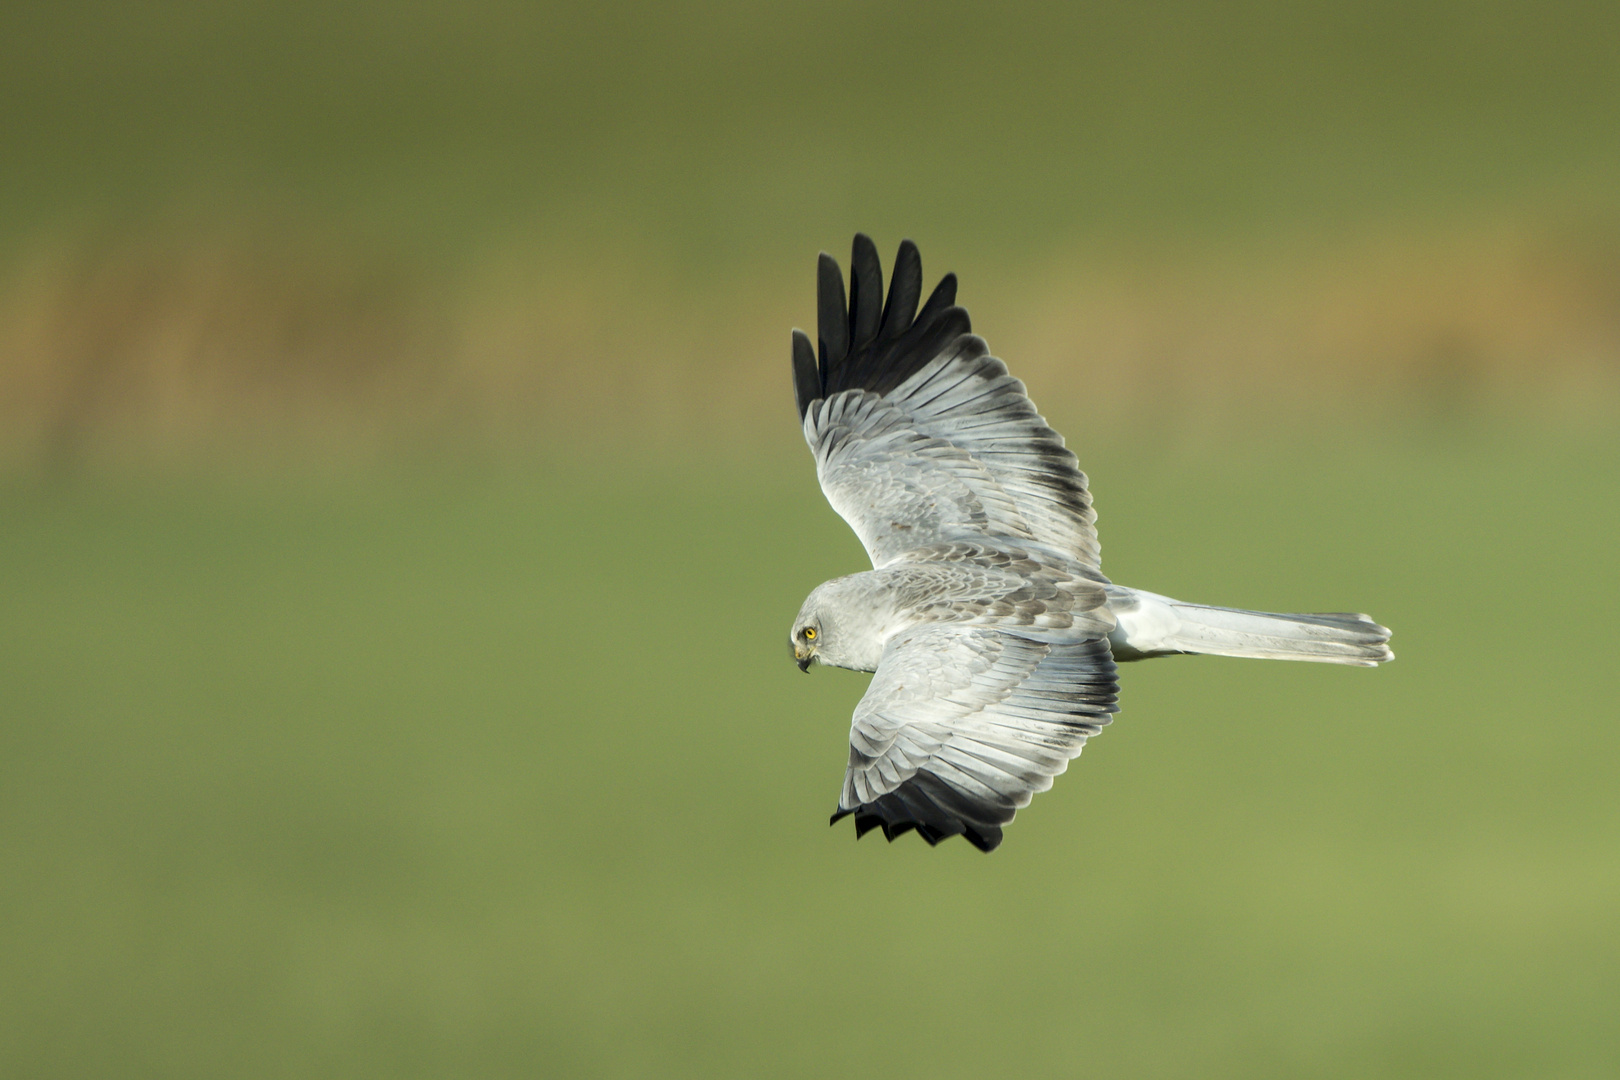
x=1046, y=598
x=987, y=619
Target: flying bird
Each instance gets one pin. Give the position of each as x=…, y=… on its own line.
x=986, y=617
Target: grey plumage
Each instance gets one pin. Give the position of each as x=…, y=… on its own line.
x=988, y=621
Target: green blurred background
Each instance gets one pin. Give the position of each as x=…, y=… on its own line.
x=401, y=514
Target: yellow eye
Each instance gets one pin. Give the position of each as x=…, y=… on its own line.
x=809, y=633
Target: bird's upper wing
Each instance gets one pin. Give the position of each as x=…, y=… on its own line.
x=919, y=434
x=962, y=725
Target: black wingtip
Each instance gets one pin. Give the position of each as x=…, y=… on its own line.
x=806, y=375
x=934, y=810
x=866, y=342
x=905, y=291
x=986, y=840
x=832, y=318
x=865, y=293
x=942, y=298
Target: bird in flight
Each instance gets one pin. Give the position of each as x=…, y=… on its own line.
x=986, y=618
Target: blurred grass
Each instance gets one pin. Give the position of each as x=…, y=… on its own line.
x=357, y=226
x=401, y=515
x=278, y=344
x=507, y=773
x=721, y=132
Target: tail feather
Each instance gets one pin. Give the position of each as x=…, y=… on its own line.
x=1151, y=625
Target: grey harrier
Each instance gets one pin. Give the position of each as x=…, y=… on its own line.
x=986, y=617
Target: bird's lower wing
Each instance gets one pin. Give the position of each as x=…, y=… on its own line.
x=963, y=725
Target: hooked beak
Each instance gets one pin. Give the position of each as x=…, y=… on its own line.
x=803, y=656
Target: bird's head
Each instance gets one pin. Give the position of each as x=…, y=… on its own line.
x=805, y=640
x=813, y=627
x=843, y=624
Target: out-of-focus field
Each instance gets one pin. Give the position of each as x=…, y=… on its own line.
x=506, y=774
x=401, y=516
x=361, y=226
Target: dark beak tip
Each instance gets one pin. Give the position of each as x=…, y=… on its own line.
x=804, y=665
